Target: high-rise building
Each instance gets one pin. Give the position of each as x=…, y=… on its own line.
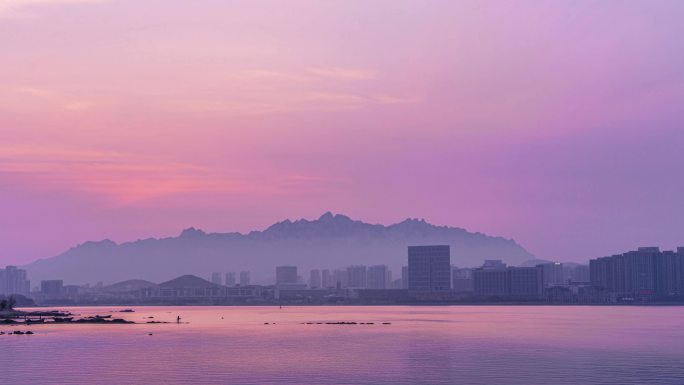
x=404, y=277
x=315, y=278
x=53, y=288
x=462, y=279
x=397, y=284
x=669, y=274
x=644, y=273
x=429, y=268
x=244, y=278
x=286, y=275
x=230, y=278
x=526, y=282
x=581, y=274
x=491, y=281
x=340, y=278
x=377, y=277
x=216, y=278
x=553, y=274
x=356, y=276
x=601, y=273
x=326, y=279
x=575, y=273
x=14, y=281
x=515, y=282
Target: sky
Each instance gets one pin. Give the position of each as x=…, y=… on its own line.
x=556, y=123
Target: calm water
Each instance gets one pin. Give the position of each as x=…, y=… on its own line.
x=423, y=345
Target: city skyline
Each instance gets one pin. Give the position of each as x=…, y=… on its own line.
x=547, y=124
x=645, y=275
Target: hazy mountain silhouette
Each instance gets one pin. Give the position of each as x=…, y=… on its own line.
x=534, y=262
x=189, y=282
x=129, y=285
x=330, y=241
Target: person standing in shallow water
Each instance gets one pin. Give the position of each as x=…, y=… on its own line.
x=178, y=319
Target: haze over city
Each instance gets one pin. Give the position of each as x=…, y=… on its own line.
x=556, y=124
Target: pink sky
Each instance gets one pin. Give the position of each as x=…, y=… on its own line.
x=556, y=123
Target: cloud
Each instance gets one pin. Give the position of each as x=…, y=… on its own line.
x=22, y=96
x=342, y=73
x=287, y=102
x=270, y=75
x=23, y=8
x=119, y=177
x=395, y=99
x=260, y=91
x=243, y=92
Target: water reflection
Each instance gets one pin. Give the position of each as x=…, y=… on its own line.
x=423, y=345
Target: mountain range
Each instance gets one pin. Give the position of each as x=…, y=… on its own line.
x=331, y=241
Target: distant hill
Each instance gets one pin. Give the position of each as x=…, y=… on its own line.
x=331, y=241
x=128, y=286
x=188, y=282
x=534, y=262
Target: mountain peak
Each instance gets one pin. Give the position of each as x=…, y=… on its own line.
x=330, y=217
x=414, y=223
x=328, y=224
x=414, y=220
x=192, y=232
x=106, y=243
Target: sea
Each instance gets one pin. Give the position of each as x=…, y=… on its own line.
x=353, y=345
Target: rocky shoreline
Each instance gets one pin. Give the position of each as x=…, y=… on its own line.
x=17, y=317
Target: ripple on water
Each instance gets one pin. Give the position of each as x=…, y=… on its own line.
x=429, y=345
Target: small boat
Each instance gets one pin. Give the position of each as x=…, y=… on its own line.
x=62, y=319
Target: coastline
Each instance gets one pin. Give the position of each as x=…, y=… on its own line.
x=412, y=304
